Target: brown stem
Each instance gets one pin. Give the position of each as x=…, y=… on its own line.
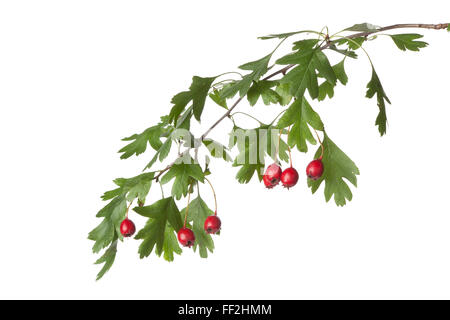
x=128, y=208
x=283, y=70
x=321, y=144
x=289, y=148
x=278, y=145
x=187, y=208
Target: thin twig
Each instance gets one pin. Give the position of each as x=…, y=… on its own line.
x=214, y=193
x=439, y=26
x=128, y=208
x=289, y=148
x=187, y=208
x=321, y=145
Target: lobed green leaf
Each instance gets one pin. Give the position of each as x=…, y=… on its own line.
x=113, y=214
x=300, y=115
x=164, y=220
x=183, y=173
x=304, y=76
x=198, y=91
x=327, y=87
x=263, y=89
x=139, y=142
x=217, y=150
x=375, y=87
x=337, y=167
x=347, y=52
x=258, y=68
x=108, y=259
x=284, y=35
x=218, y=99
x=408, y=41
x=283, y=90
x=254, y=145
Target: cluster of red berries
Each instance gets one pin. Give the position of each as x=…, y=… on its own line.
x=186, y=236
x=289, y=177
x=271, y=178
x=212, y=225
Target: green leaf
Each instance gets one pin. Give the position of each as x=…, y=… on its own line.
x=170, y=245
x=183, y=173
x=306, y=44
x=353, y=44
x=164, y=220
x=339, y=71
x=199, y=89
x=135, y=187
x=184, y=121
x=247, y=171
x=356, y=43
x=348, y=53
x=283, y=148
x=407, y=41
x=162, y=153
x=283, y=35
x=327, y=88
x=301, y=115
x=363, y=27
x=113, y=214
x=263, y=89
x=304, y=77
x=216, y=149
x=337, y=166
x=217, y=98
x=283, y=90
x=375, y=87
x=291, y=114
x=258, y=68
x=251, y=154
x=111, y=194
x=179, y=102
x=304, y=51
x=139, y=142
x=254, y=145
x=448, y=28
x=324, y=67
x=107, y=232
x=297, y=57
x=197, y=214
x=165, y=149
x=108, y=259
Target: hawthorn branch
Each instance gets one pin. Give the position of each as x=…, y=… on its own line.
x=439, y=26
x=283, y=71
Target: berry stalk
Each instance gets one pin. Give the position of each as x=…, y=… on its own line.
x=214, y=194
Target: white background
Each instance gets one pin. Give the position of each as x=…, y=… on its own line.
x=77, y=76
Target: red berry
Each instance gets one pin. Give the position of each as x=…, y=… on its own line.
x=314, y=169
x=272, y=176
x=212, y=224
x=127, y=228
x=186, y=237
x=267, y=182
x=289, y=177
